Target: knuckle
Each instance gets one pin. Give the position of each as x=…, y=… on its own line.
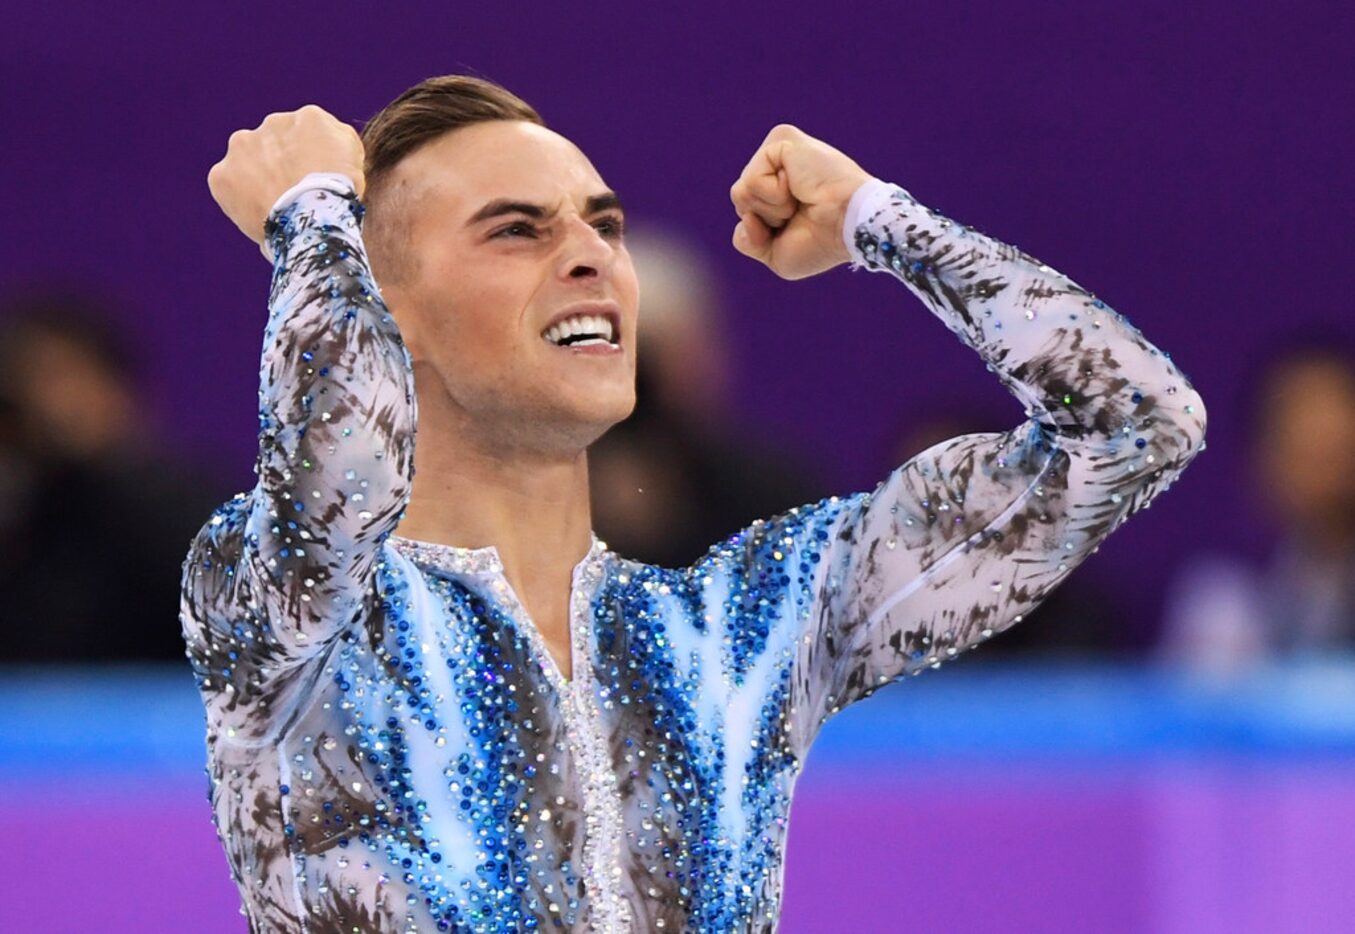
x=218, y=178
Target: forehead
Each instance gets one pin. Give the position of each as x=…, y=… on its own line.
x=515, y=159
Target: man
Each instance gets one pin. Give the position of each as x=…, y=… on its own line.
x=488, y=722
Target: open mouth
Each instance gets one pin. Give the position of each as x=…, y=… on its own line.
x=583, y=331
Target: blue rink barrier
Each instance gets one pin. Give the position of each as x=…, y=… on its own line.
x=151, y=720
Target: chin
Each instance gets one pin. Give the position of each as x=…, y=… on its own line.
x=623, y=409
x=575, y=425
x=596, y=402
x=600, y=419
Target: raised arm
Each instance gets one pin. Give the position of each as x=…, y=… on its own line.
x=968, y=536
x=277, y=573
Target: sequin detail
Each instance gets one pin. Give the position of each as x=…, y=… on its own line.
x=391, y=745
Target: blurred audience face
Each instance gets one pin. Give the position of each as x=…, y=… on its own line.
x=1307, y=448
x=685, y=347
x=67, y=401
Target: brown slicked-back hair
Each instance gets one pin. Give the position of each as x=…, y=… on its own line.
x=420, y=115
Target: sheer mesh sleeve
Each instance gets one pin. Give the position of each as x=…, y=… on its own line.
x=276, y=574
x=968, y=536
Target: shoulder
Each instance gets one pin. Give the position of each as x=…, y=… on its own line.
x=802, y=533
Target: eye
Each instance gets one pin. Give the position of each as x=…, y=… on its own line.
x=516, y=229
x=611, y=226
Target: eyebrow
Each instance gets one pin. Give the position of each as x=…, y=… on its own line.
x=606, y=201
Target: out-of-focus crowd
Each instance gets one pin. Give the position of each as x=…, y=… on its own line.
x=96, y=513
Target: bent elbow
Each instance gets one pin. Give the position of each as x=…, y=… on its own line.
x=1190, y=424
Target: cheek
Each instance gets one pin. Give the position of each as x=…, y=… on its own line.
x=628, y=287
x=480, y=312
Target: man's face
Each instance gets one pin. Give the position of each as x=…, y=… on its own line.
x=516, y=258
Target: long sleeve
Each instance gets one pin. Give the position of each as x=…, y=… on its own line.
x=276, y=574
x=968, y=536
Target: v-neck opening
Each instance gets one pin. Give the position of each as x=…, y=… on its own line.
x=485, y=561
x=578, y=704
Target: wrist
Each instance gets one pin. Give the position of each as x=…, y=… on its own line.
x=858, y=208
x=334, y=181
x=331, y=181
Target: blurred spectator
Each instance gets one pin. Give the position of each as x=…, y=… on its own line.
x=1223, y=613
x=677, y=477
x=95, y=521
x=1078, y=618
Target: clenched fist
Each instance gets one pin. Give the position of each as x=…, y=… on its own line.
x=792, y=200
x=262, y=163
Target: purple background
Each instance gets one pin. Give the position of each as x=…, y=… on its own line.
x=1190, y=163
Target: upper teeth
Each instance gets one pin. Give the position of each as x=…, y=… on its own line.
x=595, y=325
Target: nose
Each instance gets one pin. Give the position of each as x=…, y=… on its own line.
x=586, y=253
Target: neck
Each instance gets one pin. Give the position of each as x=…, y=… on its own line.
x=471, y=490
x=534, y=510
